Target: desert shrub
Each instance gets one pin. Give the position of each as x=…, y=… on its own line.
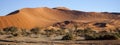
x=24, y=32
x=15, y=34
x=68, y=36
x=101, y=37
x=90, y=37
x=89, y=30
x=35, y=30
x=109, y=37
x=118, y=34
x=10, y=30
x=60, y=32
x=49, y=32
x=79, y=32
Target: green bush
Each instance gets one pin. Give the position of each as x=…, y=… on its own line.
x=35, y=30
x=50, y=32
x=68, y=37
x=89, y=31
x=79, y=32
x=24, y=32
x=15, y=34
x=60, y=32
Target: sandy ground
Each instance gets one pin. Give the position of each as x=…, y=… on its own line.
x=44, y=40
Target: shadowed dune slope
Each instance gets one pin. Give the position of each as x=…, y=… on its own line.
x=43, y=17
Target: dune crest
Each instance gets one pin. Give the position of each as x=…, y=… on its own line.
x=61, y=8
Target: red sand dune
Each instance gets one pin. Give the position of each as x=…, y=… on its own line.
x=42, y=17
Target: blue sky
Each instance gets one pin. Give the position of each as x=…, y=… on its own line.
x=7, y=6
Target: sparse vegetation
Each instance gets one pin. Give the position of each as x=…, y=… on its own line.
x=10, y=30
x=60, y=32
x=87, y=33
x=24, y=32
x=35, y=30
x=101, y=37
x=49, y=32
x=68, y=36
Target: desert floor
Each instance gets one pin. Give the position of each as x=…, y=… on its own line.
x=44, y=40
